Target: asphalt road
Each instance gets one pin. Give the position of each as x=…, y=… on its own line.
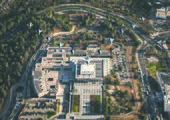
x=24, y=78
x=149, y=102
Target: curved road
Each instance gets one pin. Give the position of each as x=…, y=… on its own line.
x=80, y=7
x=25, y=74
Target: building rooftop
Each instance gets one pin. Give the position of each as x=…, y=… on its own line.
x=57, y=66
x=163, y=12
x=63, y=66
x=37, y=74
x=89, y=117
x=87, y=69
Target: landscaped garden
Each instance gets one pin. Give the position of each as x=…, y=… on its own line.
x=58, y=105
x=153, y=68
x=76, y=103
x=50, y=114
x=95, y=104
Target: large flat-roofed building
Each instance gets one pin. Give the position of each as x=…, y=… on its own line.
x=164, y=81
x=86, y=69
x=88, y=83
x=83, y=70
x=51, y=70
x=97, y=68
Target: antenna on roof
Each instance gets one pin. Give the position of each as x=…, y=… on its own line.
x=121, y=31
x=60, y=45
x=110, y=40
x=30, y=24
x=39, y=32
x=99, y=51
x=87, y=60
x=72, y=51
x=133, y=26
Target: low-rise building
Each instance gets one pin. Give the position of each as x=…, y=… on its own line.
x=163, y=13
x=153, y=59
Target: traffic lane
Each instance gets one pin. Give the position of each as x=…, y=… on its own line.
x=149, y=105
x=165, y=36
x=143, y=69
x=149, y=102
x=150, y=109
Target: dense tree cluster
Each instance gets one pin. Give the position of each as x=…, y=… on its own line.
x=109, y=27
x=20, y=10
x=18, y=47
x=87, y=19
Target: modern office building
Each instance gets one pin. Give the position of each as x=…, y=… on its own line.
x=84, y=70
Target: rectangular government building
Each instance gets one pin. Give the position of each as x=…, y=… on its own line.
x=83, y=70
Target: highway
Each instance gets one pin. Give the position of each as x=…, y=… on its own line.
x=149, y=102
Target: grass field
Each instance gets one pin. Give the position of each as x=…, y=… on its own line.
x=95, y=104
x=76, y=103
x=50, y=114
x=153, y=68
x=55, y=44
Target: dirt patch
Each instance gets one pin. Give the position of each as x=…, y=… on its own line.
x=130, y=55
x=75, y=19
x=132, y=117
x=123, y=88
x=106, y=47
x=139, y=105
x=136, y=89
x=119, y=119
x=55, y=31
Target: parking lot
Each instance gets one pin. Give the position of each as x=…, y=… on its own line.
x=119, y=62
x=38, y=108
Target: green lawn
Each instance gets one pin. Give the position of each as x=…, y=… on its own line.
x=153, y=68
x=76, y=103
x=58, y=105
x=55, y=44
x=95, y=104
x=50, y=114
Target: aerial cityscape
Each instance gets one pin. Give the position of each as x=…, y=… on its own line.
x=85, y=60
